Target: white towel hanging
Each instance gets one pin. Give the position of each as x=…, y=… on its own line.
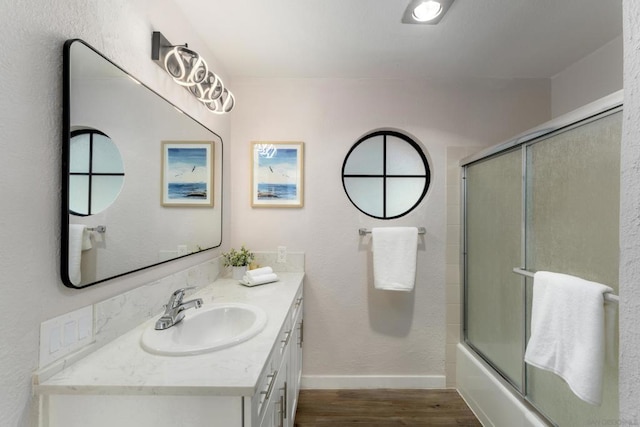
x=76, y=241
x=394, y=257
x=567, y=331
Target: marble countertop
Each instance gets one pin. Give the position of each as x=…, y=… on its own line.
x=123, y=367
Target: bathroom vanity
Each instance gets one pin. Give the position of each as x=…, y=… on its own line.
x=251, y=384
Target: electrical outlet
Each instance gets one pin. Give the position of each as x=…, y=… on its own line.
x=282, y=254
x=194, y=276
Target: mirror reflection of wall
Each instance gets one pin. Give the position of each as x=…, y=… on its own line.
x=105, y=103
x=386, y=174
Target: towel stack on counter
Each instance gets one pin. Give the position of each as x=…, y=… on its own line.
x=259, y=276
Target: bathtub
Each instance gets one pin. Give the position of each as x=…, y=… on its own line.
x=489, y=396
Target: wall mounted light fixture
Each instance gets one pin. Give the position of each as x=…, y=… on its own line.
x=189, y=69
x=425, y=11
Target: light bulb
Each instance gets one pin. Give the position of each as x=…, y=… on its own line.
x=426, y=11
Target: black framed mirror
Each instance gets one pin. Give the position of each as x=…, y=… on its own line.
x=116, y=218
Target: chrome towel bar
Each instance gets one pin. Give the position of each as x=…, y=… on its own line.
x=363, y=231
x=98, y=228
x=608, y=297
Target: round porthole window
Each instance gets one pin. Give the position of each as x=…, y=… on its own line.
x=386, y=174
x=96, y=172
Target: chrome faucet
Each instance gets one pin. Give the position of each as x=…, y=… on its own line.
x=174, y=310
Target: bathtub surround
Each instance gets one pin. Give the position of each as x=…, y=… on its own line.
x=490, y=396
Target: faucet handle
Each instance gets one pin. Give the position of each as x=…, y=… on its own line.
x=176, y=297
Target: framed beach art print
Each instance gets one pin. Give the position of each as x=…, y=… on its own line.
x=187, y=173
x=277, y=174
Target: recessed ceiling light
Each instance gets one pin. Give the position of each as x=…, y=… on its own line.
x=425, y=11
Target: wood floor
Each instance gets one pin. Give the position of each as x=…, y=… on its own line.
x=382, y=408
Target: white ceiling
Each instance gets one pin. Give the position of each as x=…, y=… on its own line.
x=365, y=38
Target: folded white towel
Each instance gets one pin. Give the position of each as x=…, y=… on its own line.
x=567, y=331
x=261, y=279
x=394, y=257
x=259, y=271
x=76, y=239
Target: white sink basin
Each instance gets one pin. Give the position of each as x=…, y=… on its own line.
x=212, y=327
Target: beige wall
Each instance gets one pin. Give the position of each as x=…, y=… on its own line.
x=352, y=330
x=594, y=76
x=629, y=225
x=32, y=34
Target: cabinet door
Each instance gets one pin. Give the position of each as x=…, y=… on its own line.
x=275, y=412
x=295, y=366
x=282, y=398
x=284, y=419
x=269, y=419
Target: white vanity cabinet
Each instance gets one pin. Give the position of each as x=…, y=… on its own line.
x=275, y=403
x=253, y=384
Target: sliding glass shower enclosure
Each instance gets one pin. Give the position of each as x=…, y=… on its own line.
x=548, y=200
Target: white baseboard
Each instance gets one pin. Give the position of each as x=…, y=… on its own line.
x=346, y=382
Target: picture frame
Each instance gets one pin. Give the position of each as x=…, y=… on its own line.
x=277, y=174
x=187, y=173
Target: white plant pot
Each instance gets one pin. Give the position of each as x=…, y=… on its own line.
x=238, y=272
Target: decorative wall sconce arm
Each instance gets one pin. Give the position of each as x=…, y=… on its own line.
x=189, y=69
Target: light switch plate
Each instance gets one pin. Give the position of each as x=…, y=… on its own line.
x=65, y=334
x=282, y=254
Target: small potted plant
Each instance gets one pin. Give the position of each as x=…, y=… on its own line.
x=238, y=261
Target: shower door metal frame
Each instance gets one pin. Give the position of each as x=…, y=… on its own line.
x=604, y=107
x=503, y=149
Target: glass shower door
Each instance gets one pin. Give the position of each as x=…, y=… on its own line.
x=572, y=211
x=494, y=300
